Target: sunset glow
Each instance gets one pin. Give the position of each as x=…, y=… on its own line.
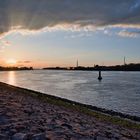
x=11, y=62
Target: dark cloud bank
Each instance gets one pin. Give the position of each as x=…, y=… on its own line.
x=37, y=14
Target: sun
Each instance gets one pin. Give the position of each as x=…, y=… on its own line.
x=11, y=61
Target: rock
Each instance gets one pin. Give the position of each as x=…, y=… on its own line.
x=100, y=138
x=3, y=119
x=28, y=111
x=87, y=138
x=108, y=134
x=40, y=136
x=126, y=134
x=117, y=135
x=12, y=132
x=3, y=137
x=67, y=125
x=20, y=127
x=19, y=136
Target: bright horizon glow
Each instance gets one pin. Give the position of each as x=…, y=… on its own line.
x=11, y=62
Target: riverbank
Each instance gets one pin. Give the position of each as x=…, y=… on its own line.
x=26, y=114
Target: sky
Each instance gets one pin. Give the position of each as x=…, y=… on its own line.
x=48, y=33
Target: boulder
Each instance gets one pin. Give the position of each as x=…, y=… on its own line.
x=3, y=137
x=40, y=136
x=19, y=136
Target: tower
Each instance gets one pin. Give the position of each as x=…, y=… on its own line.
x=77, y=63
x=124, y=61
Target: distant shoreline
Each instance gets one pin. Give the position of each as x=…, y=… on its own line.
x=92, y=70
x=126, y=67
x=75, y=70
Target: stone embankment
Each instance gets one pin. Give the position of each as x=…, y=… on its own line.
x=24, y=117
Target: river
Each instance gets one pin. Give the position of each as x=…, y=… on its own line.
x=118, y=91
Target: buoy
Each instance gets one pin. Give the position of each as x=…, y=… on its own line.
x=100, y=77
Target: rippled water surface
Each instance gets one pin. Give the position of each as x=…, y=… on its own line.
x=119, y=91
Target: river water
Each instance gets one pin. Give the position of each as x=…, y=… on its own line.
x=118, y=91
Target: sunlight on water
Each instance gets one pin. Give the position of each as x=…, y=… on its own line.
x=11, y=78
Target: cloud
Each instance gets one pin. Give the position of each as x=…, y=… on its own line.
x=6, y=43
x=26, y=61
x=136, y=5
x=131, y=34
x=34, y=15
x=78, y=35
x=2, y=49
x=107, y=32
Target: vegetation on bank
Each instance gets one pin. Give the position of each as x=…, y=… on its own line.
x=15, y=68
x=124, y=122
x=126, y=67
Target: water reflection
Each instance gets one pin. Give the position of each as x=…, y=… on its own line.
x=11, y=78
